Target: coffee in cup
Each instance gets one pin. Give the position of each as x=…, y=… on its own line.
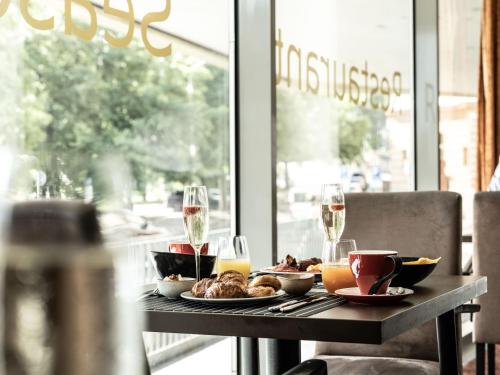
x=373, y=270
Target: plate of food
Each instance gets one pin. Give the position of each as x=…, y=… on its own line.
x=290, y=265
x=231, y=288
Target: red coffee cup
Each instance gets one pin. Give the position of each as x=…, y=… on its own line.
x=186, y=248
x=373, y=270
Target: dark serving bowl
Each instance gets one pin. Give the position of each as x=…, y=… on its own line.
x=181, y=264
x=413, y=273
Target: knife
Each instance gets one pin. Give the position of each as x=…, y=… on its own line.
x=303, y=303
x=292, y=302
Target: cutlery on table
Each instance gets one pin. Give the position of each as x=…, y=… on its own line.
x=301, y=304
x=292, y=302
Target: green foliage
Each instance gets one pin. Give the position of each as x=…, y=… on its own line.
x=312, y=127
x=85, y=100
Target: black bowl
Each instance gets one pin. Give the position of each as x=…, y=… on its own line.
x=412, y=274
x=181, y=264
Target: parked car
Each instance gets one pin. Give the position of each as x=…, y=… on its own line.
x=358, y=182
x=175, y=200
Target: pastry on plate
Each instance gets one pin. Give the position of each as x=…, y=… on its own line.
x=232, y=277
x=260, y=291
x=266, y=280
x=199, y=289
x=225, y=290
x=304, y=264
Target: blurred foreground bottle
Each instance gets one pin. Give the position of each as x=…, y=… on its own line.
x=64, y=310
x=68, y=304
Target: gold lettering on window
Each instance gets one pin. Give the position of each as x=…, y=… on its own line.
x=326, y=76
x=47, y=24
x=126, y=16
x=4, y=5
x=148, y=20
x=84, y=33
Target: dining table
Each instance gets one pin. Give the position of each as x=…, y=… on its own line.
x=438, y=298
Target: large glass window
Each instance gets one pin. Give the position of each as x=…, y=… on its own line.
x=459, y=37
x=142, y=85
x=344, y=102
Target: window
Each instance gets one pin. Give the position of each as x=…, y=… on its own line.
x=160, y=106
x=73, y=102
x=344, y=102
x=459, y=37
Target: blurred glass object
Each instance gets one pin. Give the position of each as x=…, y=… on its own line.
x=69, y=305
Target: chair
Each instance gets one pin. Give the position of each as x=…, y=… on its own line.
x=486, y=262
x=415, y=224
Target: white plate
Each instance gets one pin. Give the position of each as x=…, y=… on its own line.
x=271, y=272
x=317, y=275
x=231, y=301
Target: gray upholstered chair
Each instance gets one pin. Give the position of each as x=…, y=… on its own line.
x=486, y=262
x=414, y=224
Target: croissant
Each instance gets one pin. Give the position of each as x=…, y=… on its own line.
x=199, y=289
x=233, y=277
x=225, y=290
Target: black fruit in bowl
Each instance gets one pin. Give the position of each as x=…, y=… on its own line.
x=181, y=264
x=412, y=274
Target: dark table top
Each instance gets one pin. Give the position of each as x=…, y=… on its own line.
x=347, y=323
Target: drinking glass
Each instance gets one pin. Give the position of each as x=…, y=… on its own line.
x=336, y=273
x=233, y=255
x=333, y=211
x=195, y=214
x=332, y=215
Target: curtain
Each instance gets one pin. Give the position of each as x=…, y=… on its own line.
x=488, y=136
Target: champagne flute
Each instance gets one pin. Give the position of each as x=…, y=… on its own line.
x=332, y=214
x=195, y=214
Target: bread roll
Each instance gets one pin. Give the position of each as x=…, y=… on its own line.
x=225, y=290
x=260, y=291
x=199, y=289
x=266, y=280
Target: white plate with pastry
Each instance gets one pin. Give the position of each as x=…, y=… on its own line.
x=231, y=287
x=231, y=301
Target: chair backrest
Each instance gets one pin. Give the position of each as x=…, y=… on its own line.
x=415, y=224
x=486, y=262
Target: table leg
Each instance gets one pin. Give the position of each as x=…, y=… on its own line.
x=282, y=355
x=480, y=358
x=146, y=369
x=491, y=359
x=447, y=343
x=248, y=356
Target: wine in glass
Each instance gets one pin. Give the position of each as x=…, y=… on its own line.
x=332, y=214
x=195, y=214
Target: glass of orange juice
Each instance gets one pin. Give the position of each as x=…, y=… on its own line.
x=233, y=255
x=336, y=273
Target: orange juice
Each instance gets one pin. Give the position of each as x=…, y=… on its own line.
x=240, y=265
x=337, y=277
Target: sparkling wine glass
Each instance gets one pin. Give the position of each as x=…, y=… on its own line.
x=195, y=214
x=332, y=214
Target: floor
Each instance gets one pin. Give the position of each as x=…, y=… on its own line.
x=215, y=360
x=470, y=368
